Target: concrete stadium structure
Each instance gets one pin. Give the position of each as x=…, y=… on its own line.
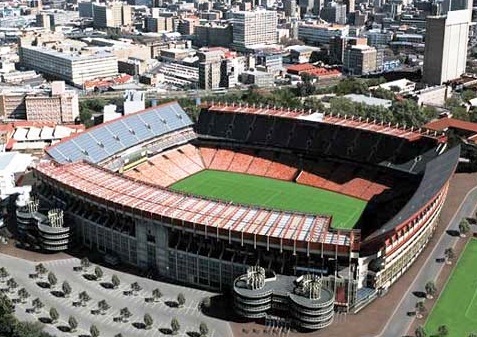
x=112, y=184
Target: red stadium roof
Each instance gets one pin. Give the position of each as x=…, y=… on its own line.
x=349, y=121
x=123, y=192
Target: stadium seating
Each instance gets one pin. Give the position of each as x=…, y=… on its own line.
x=207, y=155
x=169, y=166
x=338, y=141
x=222, y=160
x=241, y=162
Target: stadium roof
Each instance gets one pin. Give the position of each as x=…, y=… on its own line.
x=125, y=193
x=438, y=172
x=347, y=121
x=446, y=123
x=105, y=140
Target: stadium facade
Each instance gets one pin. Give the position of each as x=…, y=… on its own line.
x=112, y=183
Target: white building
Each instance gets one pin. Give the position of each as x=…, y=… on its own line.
x=12, y=163
x=255, y=27
x=317, y=33
x=134, y=101
x=73, y=67
x=445, y=52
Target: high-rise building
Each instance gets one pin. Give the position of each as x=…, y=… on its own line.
x=46, y=21
x=334, y=13
x=210, y=68
x=445, y=53
x=255, y=27
x=113, y=15
x=290, y=8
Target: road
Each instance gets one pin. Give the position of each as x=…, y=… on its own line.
x=189, y=316
x=399, y=323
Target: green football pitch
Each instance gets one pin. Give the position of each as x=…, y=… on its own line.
x=272, y=193
x=457, y=305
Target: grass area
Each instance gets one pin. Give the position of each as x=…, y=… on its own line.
x=457, y=305
x=277, y=194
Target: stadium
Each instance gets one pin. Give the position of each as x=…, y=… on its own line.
x=295, y=211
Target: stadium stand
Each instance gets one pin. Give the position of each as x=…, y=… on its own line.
x=100, y=143
x=347, y=139
x=222, y=160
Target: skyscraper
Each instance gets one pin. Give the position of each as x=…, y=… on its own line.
x=255, y=27
x=445, y=52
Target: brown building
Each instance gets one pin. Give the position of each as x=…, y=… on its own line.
x=58, y=106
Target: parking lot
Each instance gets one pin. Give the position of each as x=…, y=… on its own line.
x=189, y=316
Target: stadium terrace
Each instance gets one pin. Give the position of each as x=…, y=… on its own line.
x=322, y=206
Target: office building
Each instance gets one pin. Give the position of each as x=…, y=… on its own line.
x=72, y=67
x=113, y=15
x=85, y=9
x=159, y=24
x=445, y=53
x=290, y=8
x=360, y=59
x=213, y=35
x=334, y=13
x=45, y=21
x=317, y=33
x=252, y=28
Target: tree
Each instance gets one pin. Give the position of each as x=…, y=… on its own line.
x=449, y=254
x=464, y=227
x=84, y=297
x=420, y=332
x=23, y=294
x=54, y=315
x=431, y=289
x=156, y=294
x=442, y=331
x=98, y=272
x=148, y=321
x=4, y=273
x=73, y=323
x=115, y=281
x=181, y=299
x=94, y=331
x=467, y=95
x=135, y=287
x=37, y=304
x=125, y=314
x=66, y=288
x=85, y=264
x=12, y=284
x=175, y=326
x=203, y=329
x=420, y=309
x=206, y=302
x=52, y=279
x=103, y=306
x=40, y=269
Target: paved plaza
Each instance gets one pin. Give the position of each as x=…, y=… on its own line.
x=189, y=316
